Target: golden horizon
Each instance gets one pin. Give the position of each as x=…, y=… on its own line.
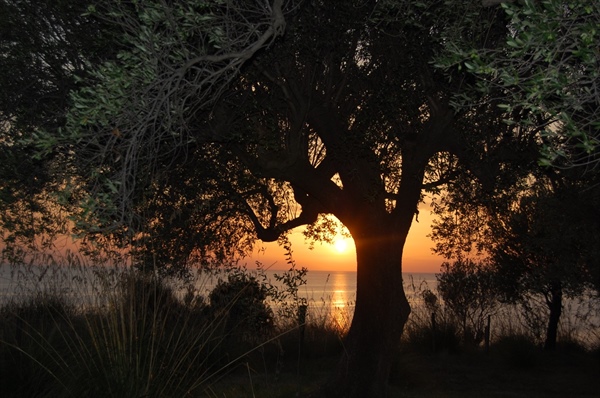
x=418, y=256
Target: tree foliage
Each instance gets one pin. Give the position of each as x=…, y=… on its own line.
x=539, y=236
x=132, y=114
x=545, y=73
x=44, y=47
x=219, y=123
x=175, y=67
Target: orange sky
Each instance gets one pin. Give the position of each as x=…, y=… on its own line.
x=324, y=257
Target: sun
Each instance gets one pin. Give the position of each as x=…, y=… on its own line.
x=340, y=245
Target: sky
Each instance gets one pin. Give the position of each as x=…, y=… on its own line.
x=418, y=257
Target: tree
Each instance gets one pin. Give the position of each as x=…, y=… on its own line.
x=547, y=70
x=44, y=47
x=212, y=129
x=355, y=126
x=547, y=247
x=539, y=236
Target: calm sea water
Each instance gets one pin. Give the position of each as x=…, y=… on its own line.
x=333, y=293
x=329, y=294
x=338, y=288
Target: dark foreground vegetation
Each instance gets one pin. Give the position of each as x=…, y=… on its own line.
x=513, y=368
x=141, y=336
x=181, y=132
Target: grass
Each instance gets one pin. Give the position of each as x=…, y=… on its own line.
x=497, y=374
x=417, y=375
x=139, y=341
x=564, y=373
x=136, y=336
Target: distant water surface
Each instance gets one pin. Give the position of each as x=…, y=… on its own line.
x=328, y=293
x=339, y=287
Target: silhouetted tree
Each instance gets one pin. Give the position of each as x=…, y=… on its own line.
x=44, y=47
x=547, y=246
x=540, y=237
x=220, y=123
x=356, y=125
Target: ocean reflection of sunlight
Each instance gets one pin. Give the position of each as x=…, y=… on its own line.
x=340, y=305
x=338, y=299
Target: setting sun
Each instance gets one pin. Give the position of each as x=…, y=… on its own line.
x=340, y=245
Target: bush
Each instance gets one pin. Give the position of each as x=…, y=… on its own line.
x=32, y=333
x=145, y=297
x=241, y=303
x=469, y=292
x=424, y=337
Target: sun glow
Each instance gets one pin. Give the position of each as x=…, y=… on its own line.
x=341, y=245
x=333, y=255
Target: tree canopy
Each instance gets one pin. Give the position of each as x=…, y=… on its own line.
x=547, y=73
x=44, y=47
x=217, y=123
x=345, y=114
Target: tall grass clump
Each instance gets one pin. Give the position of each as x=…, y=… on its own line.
x=326, y=327
x=430, y=327
x=134, y=337
x=142, y=342
x=32, y=342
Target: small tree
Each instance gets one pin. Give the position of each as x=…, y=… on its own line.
x=467, y=288
x=546, y=248
x=540, y=235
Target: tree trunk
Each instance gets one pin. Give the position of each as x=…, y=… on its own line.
x=380, y=314
x=555, y=306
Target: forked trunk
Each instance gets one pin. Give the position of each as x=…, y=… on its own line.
x=380, y=314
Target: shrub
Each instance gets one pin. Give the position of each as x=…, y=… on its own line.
x=469, y=292
x=444, y=336
x=241, y=302
x=32, y=334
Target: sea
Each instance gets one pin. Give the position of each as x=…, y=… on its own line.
x=330, y=295
x=337, y=289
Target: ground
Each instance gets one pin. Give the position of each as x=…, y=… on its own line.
x=517, y=372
